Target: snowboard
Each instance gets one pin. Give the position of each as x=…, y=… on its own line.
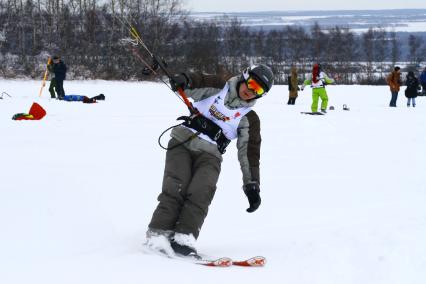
x=312, y=113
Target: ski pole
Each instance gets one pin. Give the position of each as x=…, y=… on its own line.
x=4, y=93
x=44, y=77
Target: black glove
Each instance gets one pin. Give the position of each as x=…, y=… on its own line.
x=179, y=81
x=252, y=192
x=153, y=68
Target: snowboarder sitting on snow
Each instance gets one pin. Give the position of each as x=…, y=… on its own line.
x=318, y=81
x=84, y=99
x=193, y=159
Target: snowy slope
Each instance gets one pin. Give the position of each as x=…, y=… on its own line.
x=343, y=194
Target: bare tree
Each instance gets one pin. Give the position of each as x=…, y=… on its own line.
x=380, y=48
x=237, y=43
x=368, y=49
x=395, y=49
x=414, y=44
x=318, y=42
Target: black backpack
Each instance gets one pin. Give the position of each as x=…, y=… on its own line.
x=412, y=83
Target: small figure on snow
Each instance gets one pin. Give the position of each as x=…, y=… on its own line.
x=194, y=154
x=394, y=82
x=52, y=87
x=423, y=81
x=412, y=88
x=318, y=81
x=58, y=67
x=293, y=86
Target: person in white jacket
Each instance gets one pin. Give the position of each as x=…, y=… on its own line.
x=318, y=81
x=194, y=154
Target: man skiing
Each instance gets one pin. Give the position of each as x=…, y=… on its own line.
x=194, y=155
x=318, y=81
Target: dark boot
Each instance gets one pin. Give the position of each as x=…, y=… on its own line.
x=100, y=97
x=183, y=244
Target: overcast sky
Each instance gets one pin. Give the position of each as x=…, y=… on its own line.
x=282, y=5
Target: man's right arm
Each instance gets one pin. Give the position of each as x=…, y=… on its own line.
x=202, y=86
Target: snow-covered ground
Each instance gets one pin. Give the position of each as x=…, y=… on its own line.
x=344, y=195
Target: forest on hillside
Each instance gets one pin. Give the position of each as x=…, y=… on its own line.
x=88, y=35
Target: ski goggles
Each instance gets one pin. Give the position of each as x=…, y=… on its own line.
x=254, y=86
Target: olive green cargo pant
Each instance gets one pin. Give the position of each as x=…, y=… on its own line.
x=189, y=184
x=52, y=88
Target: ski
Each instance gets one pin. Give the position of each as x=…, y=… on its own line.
x=205, y=260
x=220, y=262
x=257, y=261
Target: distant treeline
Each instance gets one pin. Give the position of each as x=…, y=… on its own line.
x=88, y=35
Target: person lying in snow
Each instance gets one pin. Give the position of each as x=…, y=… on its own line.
x=84, y=99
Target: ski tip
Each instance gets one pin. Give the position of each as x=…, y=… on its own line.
x=257, y=261
x=220, y=262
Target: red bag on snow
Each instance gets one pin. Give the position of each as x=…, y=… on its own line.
x=36, y=113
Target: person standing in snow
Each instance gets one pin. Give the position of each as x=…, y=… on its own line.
x=293, y=86
x=52, y=86
x=60, y=70
x=394, y=82
x=318, y=81
x=412, y=88
x=194, y=154
x=423, y=81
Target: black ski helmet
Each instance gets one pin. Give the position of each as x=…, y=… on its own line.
x=262, y=74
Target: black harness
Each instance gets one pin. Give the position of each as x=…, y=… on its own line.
x=202, y=124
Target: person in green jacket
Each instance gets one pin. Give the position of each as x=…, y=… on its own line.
x=318, y=81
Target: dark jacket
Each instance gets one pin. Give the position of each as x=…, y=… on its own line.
x=412, y=85
x=423, y=78
x=60, y=70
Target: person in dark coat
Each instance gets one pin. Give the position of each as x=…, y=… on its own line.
x=423, y=81
x=412, y=88
x=59, y=68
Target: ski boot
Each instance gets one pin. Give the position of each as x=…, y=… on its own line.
x=158, y=241
x=183, y=244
